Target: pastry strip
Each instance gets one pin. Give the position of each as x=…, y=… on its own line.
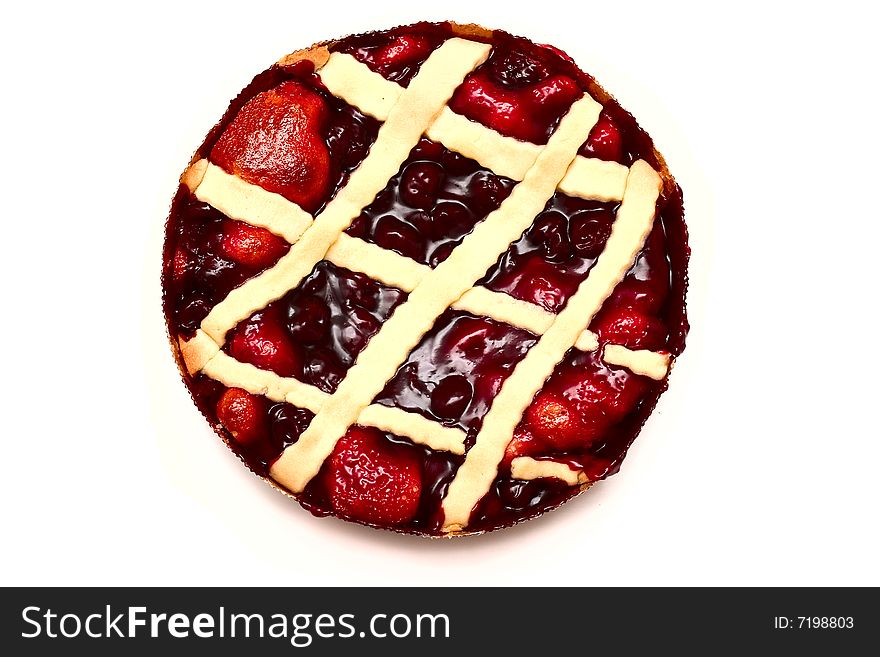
x=526, y=468
x=652, y=364
x=252, y=204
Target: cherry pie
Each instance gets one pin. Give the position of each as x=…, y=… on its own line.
x=429, y=279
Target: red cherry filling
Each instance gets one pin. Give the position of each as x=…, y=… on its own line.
x=316, y=331
x=450, y=397
x=420, y=183
x=349, y=137
x=212, y=255
x=629, y=327
x=243, y=415
x=427, y=208
x=457, y=369
x=276, y=141
x=546, y=265
x=179, y=265
x=605, y=141
x=517, y=95
x=578, y=407
x=512, y=500
x=262, y=342
x=589, y=231
x=308, y=321
x=557, y=423
x=369, y=478
x=599, y=393
x=251, y=245
x=523, y=443
x=260, y=428
x=644, y=290
x=607, y=405
x=286, y=424
x=397, y=55
x=550, y=232
x=513, y=69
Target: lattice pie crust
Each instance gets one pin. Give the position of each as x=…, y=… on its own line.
x=407, y=114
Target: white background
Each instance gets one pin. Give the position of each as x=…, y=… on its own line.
x=758, y=467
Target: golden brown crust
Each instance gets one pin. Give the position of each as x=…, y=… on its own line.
x=471, y=30
x=318, y=54
x=194, y=174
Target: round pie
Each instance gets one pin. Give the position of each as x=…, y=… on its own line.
x=429, y=279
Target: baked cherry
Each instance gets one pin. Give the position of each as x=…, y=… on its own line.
x=589, y=232
x=243, y=415
x=179, y=265
x=455, y=372
x=451, y=396
x=605, y=141
x=523, y=443
x=359, y=227
x=369, y=478
x=455, y=163
x=629, y=327
x=262, y=342
x=251, y=245
x=468, y=339
x=420, y=183
x=550, y=230
x=521, y=496
x=529, y=112
x=489, y=383
x=600, y=393
x=308, y=320
x=403, y=49
x=215, y=271
x=432, y=151
x=397, y=235
x=360, y=290
x=323, y=369
x=348, y=139
x=552, y=97
x=421, y=221
x=450, y=218
x=286, y=424
x=534, y=280
x=430, y=203
x=442, y=252
x=514, y=69
x=645, y=295
x=206, y=392
x=188, y=317
x=277, y=141
x=357, y=331
x=547, y=264
x=557, y=422
x=487, y=191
